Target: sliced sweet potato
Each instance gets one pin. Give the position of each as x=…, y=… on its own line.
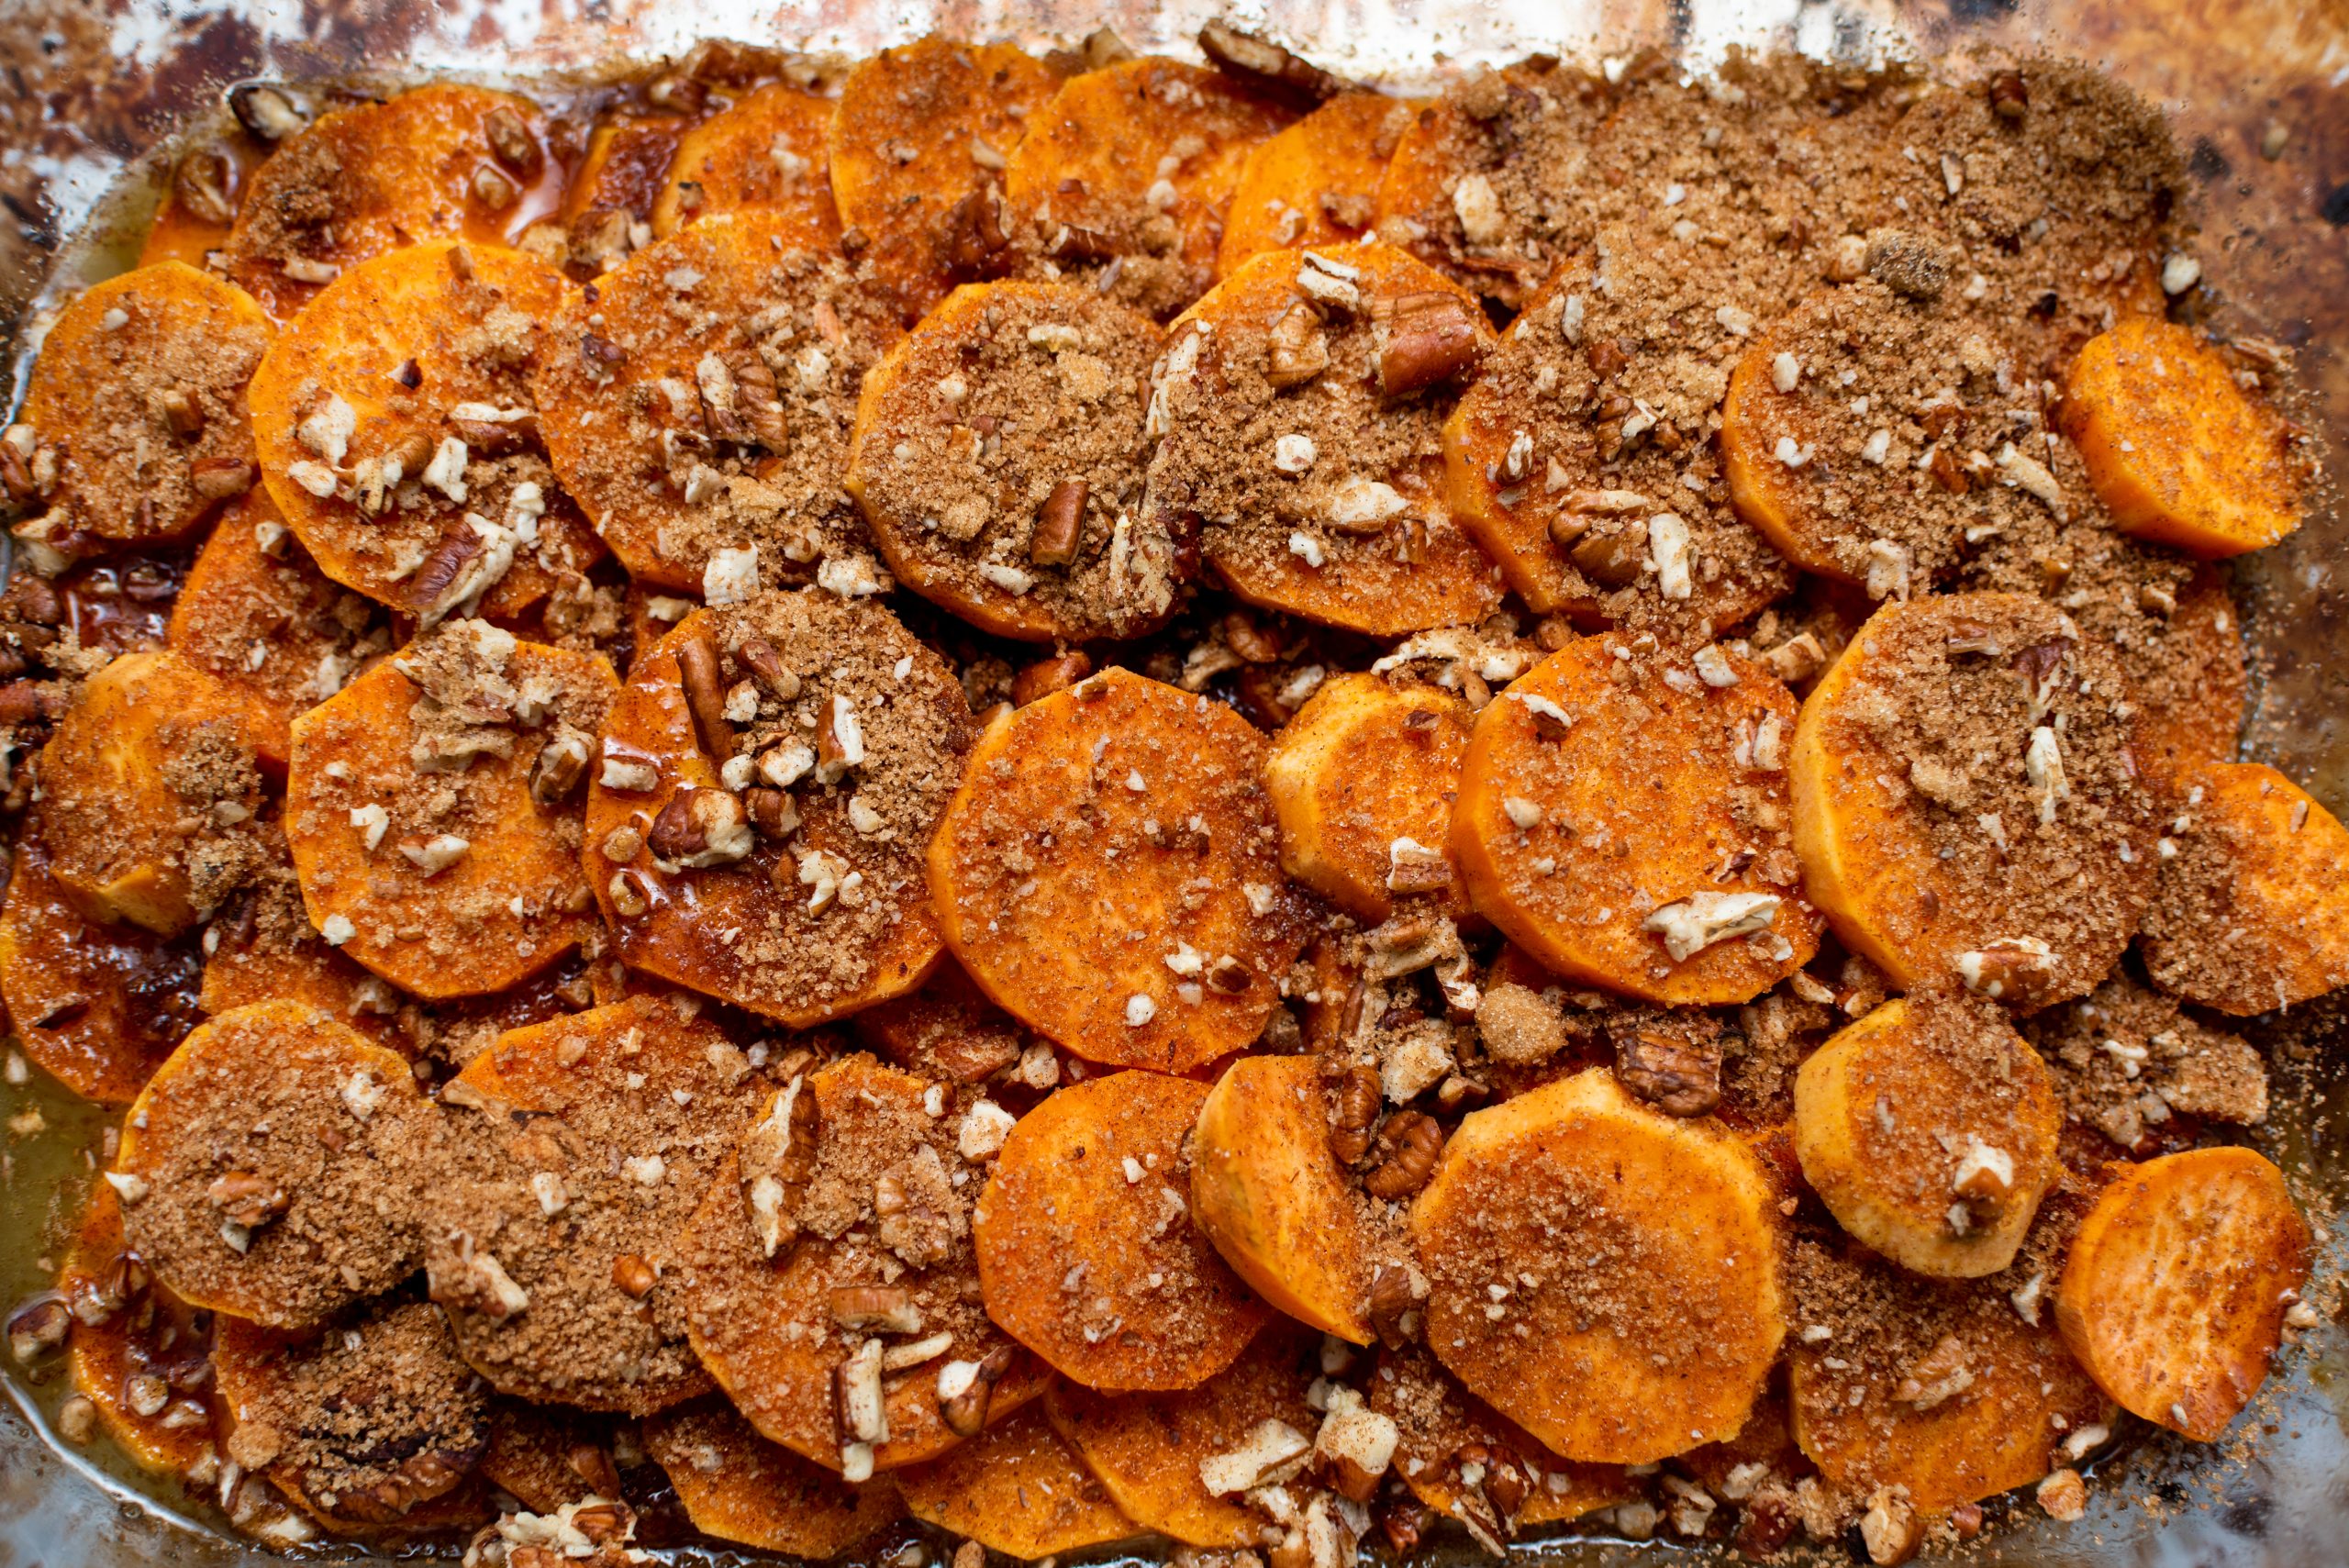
x=199, y=206
x=1603, y=1275
x=1147, y=1448
x=2174, y=1294
x=1091, y=1185
x=625, y=167
x=1106, y=874
x=1967, y=799
x=138, y=1353
x=1317, y=182
x=263, y=948
x=948, y=1031
x=1300, y=412
x=2192, y=691
x=765, y=152
x=147, y=785
x=1268, y=1192
x=2178, y=451
x=1679, y=889
x=1462, y=1458
x=1929, y=1130
x=1018, y=1488
x=545, y=1455
x=737, y=1486
x=254, y=1166
x=431, y=837
x=137, y=404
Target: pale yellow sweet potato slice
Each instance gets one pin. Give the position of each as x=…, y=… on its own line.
x=1967, y=799
x=1679, y=888
x=147, y=783
x=1147, y=1448
x=1106, y=874
x=1317, y=182
x=2242, y=918
x=1460, y=1457
x=137, y=404
x=2174, y=1294
x=130, y=1340
x=1929, y=1129
x=1094, y=1179
x=2178, y=451
x=737, y=1486
x=433, y=843
x=253, y=1164
x=1268, y=1192
x=1018, y=1488
x=765, y=152
x=1633, y=1259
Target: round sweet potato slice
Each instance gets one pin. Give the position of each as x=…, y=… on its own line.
x=1680, y=889
x=136, y=406
x=263, y=948
x=737, y=1486
x=703, y=403
x=1638, y=1252
x=1018, y=1488
x=1090, y=1187
x=546, y=1456
x=268, y=1170
x=432, y=808
x=765, y=786
x=1106, y=874
x=998, y=456
x=130, y=1343
x=828, y=1278
x=1300, y=411
x=947, y=1031
x=1517, y=1483
x=1317, y=182
x=766, y=151
x=1967, y=799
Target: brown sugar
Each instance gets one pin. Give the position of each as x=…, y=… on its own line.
x=2129, y=1062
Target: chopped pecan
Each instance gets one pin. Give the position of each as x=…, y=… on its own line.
x=1268, y=65
x=704, y=691
x=1355, y=1115
x=1426, y=339
x=247, y=1199
x=1060, y=524
x=1414, y=1139
x=701, y=827
x=1674, y=1065
x=1298, y=348
x=966, y=1389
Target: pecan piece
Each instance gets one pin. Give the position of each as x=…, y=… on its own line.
x=1415, y=1140
x=1677, y=1068
x=1060, y=524
x=704, y=691
x=1426, y=339
x=1267, y=66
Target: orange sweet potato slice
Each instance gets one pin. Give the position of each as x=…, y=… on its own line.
x=948, y=1031
x=625, y=167
x=132, y=1342
x=263, y=948
x=1300, y=411
x=1637, y=1252
x=822, y=910
x=1269, y=1193
x=545, y=1455
x=1517, y=1483
x=1018, y=1488
x=1317, y=182
x=138, y=405
x=765, y=152
x=2242, y=917
x=1106, y=873
x=737, y=1486
x=449, y=896
x=253, y=1164
x=2178, y=451
x=436, y=161
x=2174, y=1291
x=2191, y=701
x=1146, y=1449
x=1093, y=1180
x=1680, y=889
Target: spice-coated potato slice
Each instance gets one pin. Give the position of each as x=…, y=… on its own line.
x=1317, y=182
x=1133, y=166
x=263, y=948
x=2174, y=1294
x=1092, y=1185
x=288, y=1402
x=703, y=403
x=625, y=167
x=1268, y=1192
x=1365, y=764
x=803, y=900
x=1967, y=799
x=441, y=161
x=545, y=1455
x=2191, y=710
x=1624, y=820
x=998, y=456
x=872, y=1239
x=130, y=1340
x=96, y=1007
x=147, y=785
x=136, y=405
x=256, y=612
x=765, y=152
x=1929, y=1127
x=1106, y=873
x=269, y=1168
x=2178, y=449
x=947, y=1032
x=737, y=1486
x=399, y=437
x=1147, y=1448
x=1018, y=1488
x=1438, y=1427
x=1635, y=1259
x=1300, y=410
x=2242, y=917
x=920, y=140
x=432, y=806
